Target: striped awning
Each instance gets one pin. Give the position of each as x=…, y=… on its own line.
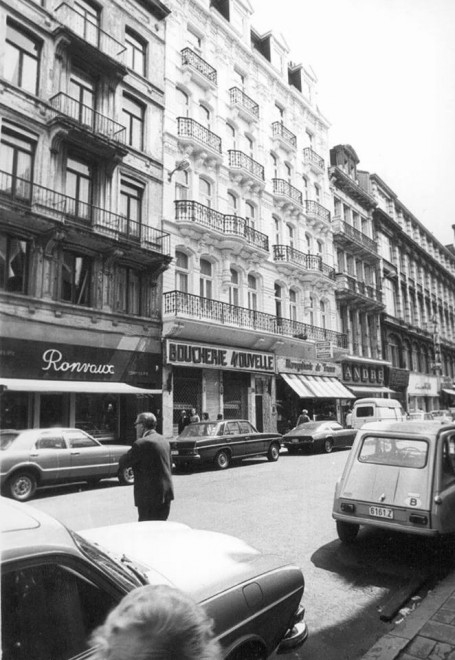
x=61, y=386
x=317, y=387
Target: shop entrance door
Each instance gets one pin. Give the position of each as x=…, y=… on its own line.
x=53, y=410
x=259, y=413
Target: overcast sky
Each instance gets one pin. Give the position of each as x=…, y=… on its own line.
x=386, y=83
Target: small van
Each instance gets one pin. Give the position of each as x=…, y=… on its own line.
x=376, y=410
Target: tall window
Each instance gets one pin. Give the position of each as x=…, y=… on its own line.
x=205, y=192
x=288, y=171
x=131, y=207
x=234, y=288
x=317, y=192
x=232, y=203
x=305, y=187
x=278, y=301
x=82, y=90
x=14, y=260
x=293, y=305
x=181, y=179
x=277, y=224
x=205, y=279
x=183, y=102
x=274, y=162
x=181, y=271
x=309, y=243
x=194, y=40
x=279, y=112
x=133, y=120
x=239, y=79
x=75, y=278
x=250, y=212
x=204, y=115
x=290, y=236
x=323, y=313
x=135, y=52
x=320, y=247
x=78, y=188
x=87, y=21
x=16, y=156
x=231, y=136
x=311, y=310
x=21, y=63
x=252, y=292
x=249, y=146
x=128, y=291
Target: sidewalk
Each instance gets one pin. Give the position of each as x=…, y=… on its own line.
x=428, y=632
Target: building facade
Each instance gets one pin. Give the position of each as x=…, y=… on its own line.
x=249, y=311
x=82, y=245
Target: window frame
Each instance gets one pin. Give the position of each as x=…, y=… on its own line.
x=18, y=28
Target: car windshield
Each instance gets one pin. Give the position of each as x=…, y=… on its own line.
x=7, y=438
x=401, y=452
x=199, y=430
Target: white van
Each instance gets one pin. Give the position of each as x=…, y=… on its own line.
x=376, y=410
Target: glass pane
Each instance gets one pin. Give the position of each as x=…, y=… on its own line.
x=11, y=64
x=29, y=74
x=134, y=293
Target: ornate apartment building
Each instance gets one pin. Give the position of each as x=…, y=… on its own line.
x=82, y=246
x=250, y=321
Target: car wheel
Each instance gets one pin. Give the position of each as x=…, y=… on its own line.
x=126, y=476
x=347, y=532
x=22, y=486
x=328, y=445
x=274, y=452
x=222, y=459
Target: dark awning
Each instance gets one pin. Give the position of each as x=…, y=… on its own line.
x=451, y=392
x=317, y=387
x=373, y=391
x=60, y=386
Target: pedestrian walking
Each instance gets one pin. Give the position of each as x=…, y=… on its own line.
x=303, y=417
x=150, y=458
x=184, y=420
x=194, y=417
x=348, y=420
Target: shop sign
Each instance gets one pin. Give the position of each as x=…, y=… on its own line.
x=422, y=385
x=398, y=378
x=355, y=372
x=218, y=357
x=324, y=350
x=308, y=367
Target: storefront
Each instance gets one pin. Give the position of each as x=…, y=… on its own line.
x=366, y=378
x=398, y=380
x=96, y=389
x=423, y=392
x=310, y=384
x=233, y=382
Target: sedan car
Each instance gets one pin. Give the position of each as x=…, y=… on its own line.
x=59, y=585
x=318, y=436
x=221, y=442
x=44, y=457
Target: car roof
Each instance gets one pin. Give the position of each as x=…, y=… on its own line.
x=419, y=427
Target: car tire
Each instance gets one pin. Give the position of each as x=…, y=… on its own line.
x=126, y=476
x=347, y=532
x=327, y=445
x=274, y=452
x=222, y=459
x=21, y=486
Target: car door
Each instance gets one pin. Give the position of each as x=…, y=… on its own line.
x=235, y=439
x=341, y=437
x=444, y=502
x=52, y=455
x=255, y=443
x=89, y=458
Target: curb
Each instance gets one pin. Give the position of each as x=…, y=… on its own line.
x=390, y=645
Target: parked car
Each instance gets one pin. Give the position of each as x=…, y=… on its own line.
x=419, y=416
x=443, y=416
x=221, y=442
x=399, y=476
x=318, y=436
x=376, y=409
x=35, y=458
x=59, y=585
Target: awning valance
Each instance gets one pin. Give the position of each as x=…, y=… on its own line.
x=317, y=387
x=451, y=392
x=373, y=391
x=61, y=386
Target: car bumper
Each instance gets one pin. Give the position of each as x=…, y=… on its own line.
x=296, y=635
x=191, y=459
x=398, y=526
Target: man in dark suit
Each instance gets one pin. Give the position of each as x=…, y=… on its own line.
x=150, y=458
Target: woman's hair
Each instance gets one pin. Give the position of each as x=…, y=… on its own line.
x=156, y=623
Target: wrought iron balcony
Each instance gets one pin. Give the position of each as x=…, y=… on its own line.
x=316, y=210
x=57, y=207
x=343, y=229
x=240, y=100
x=192, y=130
x=197, y=64
x=314, y=160
x=177, y=303
x=351, y=289
x=284, y=134
x=310, y=262
x=282, y=188
x=239, y=160
x=229, y=225
x=88, y=117
x=88, y=29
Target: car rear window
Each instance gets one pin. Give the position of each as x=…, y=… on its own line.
x=364, y=411
x=7, y=438
x=401, y=452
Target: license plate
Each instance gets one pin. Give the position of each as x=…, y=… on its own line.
x=174, y=452
x=381, y=512
x=295, y=441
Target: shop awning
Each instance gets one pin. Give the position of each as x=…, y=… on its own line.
x=451, y=392
x=373, y=391
x=317, y=387
x=60, y=386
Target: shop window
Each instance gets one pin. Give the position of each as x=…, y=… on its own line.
x=14, y=408
x=97, y=415
x=181, y=271
x=75, y=278
x=234, y=288
x=131, y=194
x=22, y=55
x=78, y=188
x=133, y=120
x=86, y=22
x=82, y=90
x=136, y=50
x=252, y=293
x=14, y=263
x=205, y=279
x=129, y=291
x=17, y=157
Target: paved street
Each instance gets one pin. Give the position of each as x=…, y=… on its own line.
x=283, y=508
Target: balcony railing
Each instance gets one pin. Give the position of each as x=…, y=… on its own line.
x=88, y=117
x=307, y=261
x=189, y=128
x=355, y=234
x=62, y=208
x=361, y=288
x=241, y=160
x=232, y=225
x=192, y=59
x=282, y=187
x=315, y=209
x=88, y=29
x=185, y=304
x=280, y=131
x=238, y=97
x=312, y=158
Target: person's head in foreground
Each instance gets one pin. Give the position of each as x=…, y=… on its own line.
x=156, y=623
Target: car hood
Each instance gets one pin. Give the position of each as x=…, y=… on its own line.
x=199, y=562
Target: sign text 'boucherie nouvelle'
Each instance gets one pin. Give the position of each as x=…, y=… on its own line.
x=216, y=357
